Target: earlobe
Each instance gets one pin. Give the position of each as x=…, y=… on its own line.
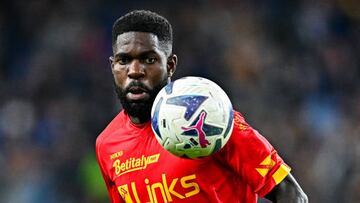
x=171, y=64
x=111, y=61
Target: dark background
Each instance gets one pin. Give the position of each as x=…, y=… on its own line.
x=291, y=67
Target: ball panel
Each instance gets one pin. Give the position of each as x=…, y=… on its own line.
x=218, y=145
x=154, y=120
x=230, y=124
x=190, y=102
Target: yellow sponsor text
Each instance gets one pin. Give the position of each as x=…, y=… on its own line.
x=134, y=164
x=238, y=123
x=116, y=155
x=163, y=191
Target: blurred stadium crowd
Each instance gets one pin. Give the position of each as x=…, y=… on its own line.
x=291, y=67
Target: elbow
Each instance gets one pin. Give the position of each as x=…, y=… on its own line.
x=288, y=191
x=303, y=198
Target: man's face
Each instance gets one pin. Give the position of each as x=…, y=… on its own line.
x=140, y=68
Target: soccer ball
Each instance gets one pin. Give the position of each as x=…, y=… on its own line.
x=192, y=117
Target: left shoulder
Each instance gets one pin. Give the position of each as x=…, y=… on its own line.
x=244, y=133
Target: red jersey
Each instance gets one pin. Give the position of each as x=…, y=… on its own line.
x=136, y=168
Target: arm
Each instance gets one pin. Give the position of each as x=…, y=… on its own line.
x=112, y=190
x=288, y=191
x=114, y=195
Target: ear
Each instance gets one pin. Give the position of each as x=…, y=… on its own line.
x=111, y=61
x=171, y=64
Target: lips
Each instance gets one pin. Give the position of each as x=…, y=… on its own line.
x=137, y=93
x=136, y=90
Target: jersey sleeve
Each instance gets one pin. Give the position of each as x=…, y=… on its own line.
x=111, y=187
x=253, y=158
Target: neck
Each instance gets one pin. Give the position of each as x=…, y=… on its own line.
x=137, y=120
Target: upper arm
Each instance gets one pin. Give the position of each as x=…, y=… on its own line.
x=253, y=158
x=288, y=191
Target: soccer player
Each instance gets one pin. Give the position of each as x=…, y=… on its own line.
x=134, y=165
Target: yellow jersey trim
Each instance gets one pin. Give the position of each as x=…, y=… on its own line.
x=281, y=173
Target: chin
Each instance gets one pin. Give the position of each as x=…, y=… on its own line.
x=141, y=110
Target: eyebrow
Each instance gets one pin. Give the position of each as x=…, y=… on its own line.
x=142, y=54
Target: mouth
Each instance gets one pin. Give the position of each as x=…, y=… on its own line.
x=136, y=93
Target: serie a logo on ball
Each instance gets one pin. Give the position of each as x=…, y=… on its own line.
x=192, y=117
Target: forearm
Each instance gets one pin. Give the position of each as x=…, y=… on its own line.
x=288, y=191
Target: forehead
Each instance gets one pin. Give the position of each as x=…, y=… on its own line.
x=136, y=41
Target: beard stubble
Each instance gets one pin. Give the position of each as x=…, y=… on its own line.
x=140, y=109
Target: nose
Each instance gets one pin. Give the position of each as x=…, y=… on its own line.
x=136, y=70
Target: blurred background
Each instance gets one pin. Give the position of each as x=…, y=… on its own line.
x=291, y=67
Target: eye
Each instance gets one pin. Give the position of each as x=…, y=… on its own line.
x=150, y=60
x=122, y=60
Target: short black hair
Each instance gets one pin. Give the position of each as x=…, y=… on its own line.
x=145, y=21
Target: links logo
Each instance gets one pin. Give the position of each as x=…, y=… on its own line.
x=166, y=189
